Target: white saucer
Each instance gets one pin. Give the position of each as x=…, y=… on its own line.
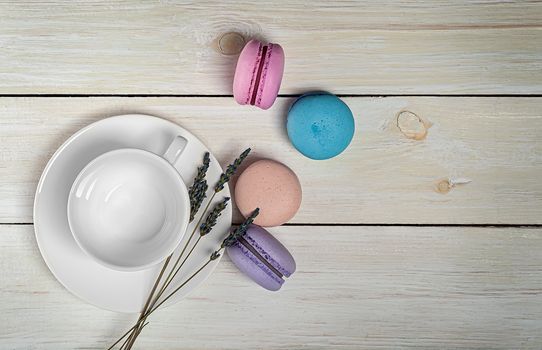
x=80, y=274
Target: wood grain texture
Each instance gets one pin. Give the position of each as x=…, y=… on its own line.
x=354, y=288
x=349, y=47
x=479, y=163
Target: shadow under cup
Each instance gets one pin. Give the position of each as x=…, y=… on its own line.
x=128, y=209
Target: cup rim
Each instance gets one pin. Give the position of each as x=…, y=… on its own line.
x=180, y=234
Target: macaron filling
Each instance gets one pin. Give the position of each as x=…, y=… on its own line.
x=260, y=257
x=254, y=252
x=258, y=75
x=259, y=263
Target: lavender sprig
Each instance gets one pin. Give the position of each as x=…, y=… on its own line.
x=232, y=238
x=240, y=231
x=230, y=171
x=234, y=235
x=213, y=215
x=198, y=191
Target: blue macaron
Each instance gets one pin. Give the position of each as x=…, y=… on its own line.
x=320, y=125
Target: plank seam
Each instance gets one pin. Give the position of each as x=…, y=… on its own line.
x=280, y=95
x=362, y=225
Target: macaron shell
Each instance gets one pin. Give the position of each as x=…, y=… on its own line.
x=245, y=72
x=320, y=125
x=271, y=78
x=269, y=248
x=272, y=187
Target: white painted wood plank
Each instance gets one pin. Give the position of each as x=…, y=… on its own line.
x=351, y=47
x=480, y=162
x=355, y=287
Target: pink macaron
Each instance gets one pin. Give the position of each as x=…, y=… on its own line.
x=258, y=74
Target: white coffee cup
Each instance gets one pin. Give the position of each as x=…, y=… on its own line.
x=129, y=208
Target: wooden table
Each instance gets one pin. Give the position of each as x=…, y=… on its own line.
x=426, y=233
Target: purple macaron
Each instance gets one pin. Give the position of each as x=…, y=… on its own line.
x=262, y=257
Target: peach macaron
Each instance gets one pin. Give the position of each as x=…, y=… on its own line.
x=272, y=187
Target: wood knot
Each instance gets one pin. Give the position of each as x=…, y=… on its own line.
x=444, y=186
x=230, y=43
x=412, y=126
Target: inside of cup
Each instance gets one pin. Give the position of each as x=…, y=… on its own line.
x=128, y=209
